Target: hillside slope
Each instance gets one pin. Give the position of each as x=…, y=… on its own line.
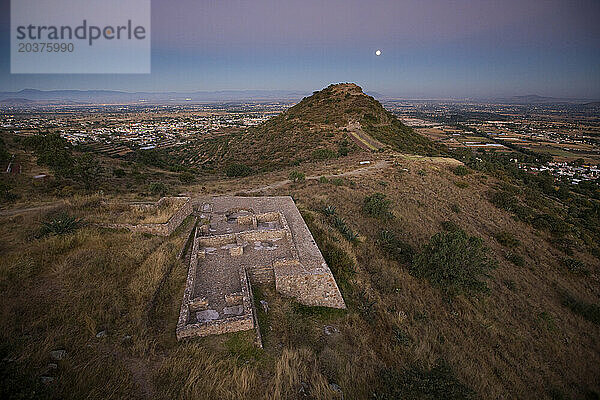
x=334, y=121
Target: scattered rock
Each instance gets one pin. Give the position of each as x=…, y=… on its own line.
x=50, y=367
x=58, y=354
x=101, y=334
x=330, y=330
x=47, y=379
x=265, y=305
x=234, y=310
x=303, y=389
x=127, y=338
x=336, y=388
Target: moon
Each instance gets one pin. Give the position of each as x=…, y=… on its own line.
x=378, y=52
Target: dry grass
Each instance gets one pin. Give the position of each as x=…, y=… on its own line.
x=519, y=341
x=138, y=213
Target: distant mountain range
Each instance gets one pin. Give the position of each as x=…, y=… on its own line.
x=119, y=97
x=35, y=96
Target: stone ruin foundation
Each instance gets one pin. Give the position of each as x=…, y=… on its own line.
x=240, y=241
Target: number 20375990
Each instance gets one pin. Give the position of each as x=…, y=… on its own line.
x=46, y=47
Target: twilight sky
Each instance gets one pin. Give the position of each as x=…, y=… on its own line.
x=431, y=48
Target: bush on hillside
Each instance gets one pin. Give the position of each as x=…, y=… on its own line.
x=394, y=247
x=238, y=170
x=590, y=312
x=158, y=188
x=377, y=206
x=461, y=170
x=323, y=154
x=51, y=150
x=507, y=239
x=61, y=224
x=505, y=200
x=297, y=176
x=575, y=266
x=454, y=262
x=187, y=177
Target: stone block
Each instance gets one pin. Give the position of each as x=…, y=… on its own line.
x=236, y=251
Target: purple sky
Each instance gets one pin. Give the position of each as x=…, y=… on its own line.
x=430, y=48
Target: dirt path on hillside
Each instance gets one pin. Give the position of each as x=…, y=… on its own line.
x=381, y=164
x=16, y=211
x=362, y=140
x=378, y=165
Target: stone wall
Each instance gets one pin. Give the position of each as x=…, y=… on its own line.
x=261, y=274
x=242, y=322
x=188, y=294
x=217, y=327
x=164, y=229
x=310, y=289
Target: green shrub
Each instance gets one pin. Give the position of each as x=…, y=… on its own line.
x=51, y=150
x=454, y=262
x=323, y=179
x=61, y=224
x=329, y=211
x=340, y=224
x=158, y=188
x=119, y=172
x=461, y=170
x=394, y=247
x=461, y=184
x=238, y=170
x=507, y=239
x=516, y=259
x=187, y=177
x=323, y=154
x=590, y=312
x=337, y=181
x=377, y=206
x=505, y=200
x=575, y=266
x=450, y=226
x=296, y=176
x=455, y=208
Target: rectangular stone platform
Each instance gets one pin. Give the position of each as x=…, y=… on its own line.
x=249, y=240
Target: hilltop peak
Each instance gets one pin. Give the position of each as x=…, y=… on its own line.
x=332, y=122
x=343, y=88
